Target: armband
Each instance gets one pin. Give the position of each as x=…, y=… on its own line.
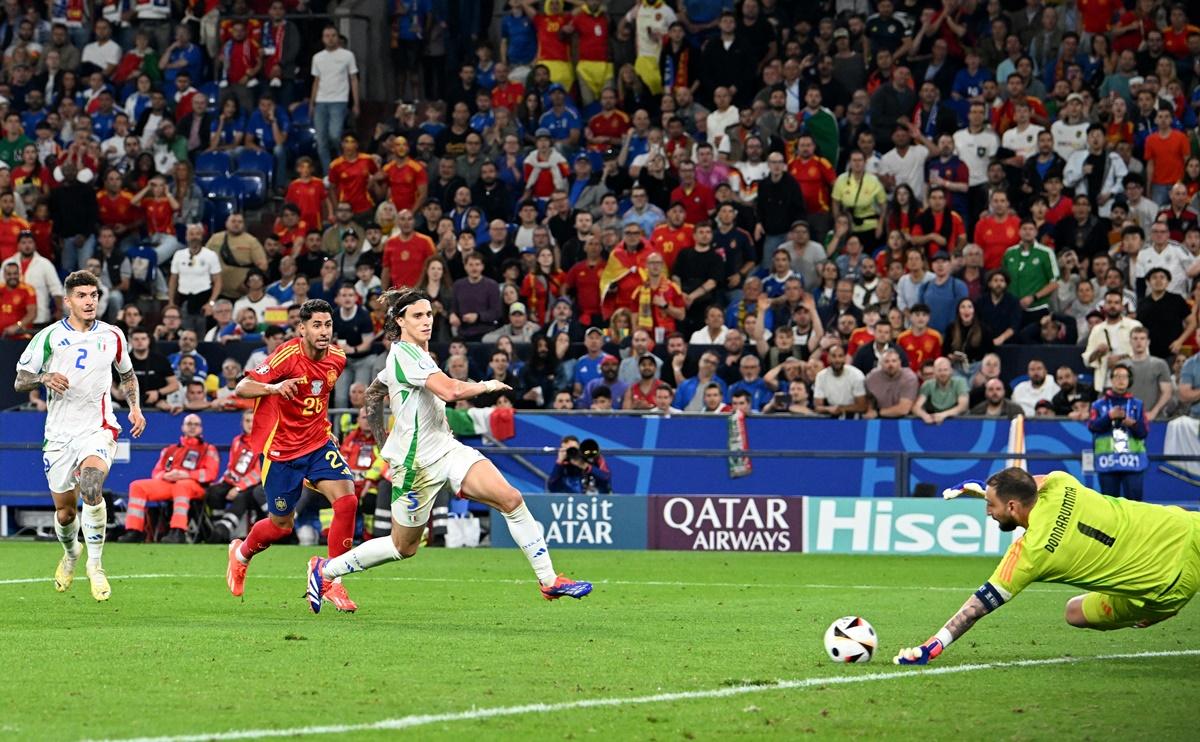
x=991, y=596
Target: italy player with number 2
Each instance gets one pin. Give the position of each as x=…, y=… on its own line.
x=72, y=359
x=291, y=428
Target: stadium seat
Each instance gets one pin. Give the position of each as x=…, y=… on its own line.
x=256, y=161
x=1086, y=380
x=215, y=162
x=213, y=91
x=251, y=188
x=301, y=116
x=205, y=180
x=302, y=140
x=216, y=211
x=1017, y=380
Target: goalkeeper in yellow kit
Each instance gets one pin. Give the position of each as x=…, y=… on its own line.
x=1140, y=562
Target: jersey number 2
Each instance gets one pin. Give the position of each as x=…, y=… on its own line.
x=80, y=359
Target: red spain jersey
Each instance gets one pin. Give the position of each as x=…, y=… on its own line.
x=957, y=229
x=160, y=217
x=10, y=227
x=670, y=242
x=288, y=236
x=698, y=202
x=310, y=197
x=507, y=95
x=405, y=258
x=612, y=124
x=815, y=176
x=14, y=302
x=290, y=428
x=593, y=35
x=551, y=45
x=118, y=209
x=995, y=236
x=404, y=180
x=349, y=181
x=918, y=348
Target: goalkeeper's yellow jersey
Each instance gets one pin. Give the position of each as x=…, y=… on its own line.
x=1079, y=537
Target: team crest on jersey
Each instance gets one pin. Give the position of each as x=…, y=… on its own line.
x=263, y=369
x=330, y=377
x=316, y=386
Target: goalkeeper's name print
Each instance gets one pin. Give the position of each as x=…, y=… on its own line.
x=1060, y=522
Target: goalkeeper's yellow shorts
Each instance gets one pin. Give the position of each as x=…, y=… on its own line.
x=1120, y=611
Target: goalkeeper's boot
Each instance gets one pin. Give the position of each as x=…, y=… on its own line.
x=64, y=574
x=100, y=587
x=235, y=572
x=317, y=585
x=566, y=587
x=336, y=594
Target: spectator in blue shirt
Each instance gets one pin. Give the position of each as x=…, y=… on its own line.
x=587, y=368
x=266, y=131
x=563, y=123
x=187, y=347
x=942, y=294
x=518, y=42
x=181, y=56
x=228, y=128
x=752, y=382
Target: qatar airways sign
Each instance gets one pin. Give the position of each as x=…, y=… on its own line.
x=725, y=523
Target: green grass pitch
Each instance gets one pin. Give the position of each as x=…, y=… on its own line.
x=447, y=645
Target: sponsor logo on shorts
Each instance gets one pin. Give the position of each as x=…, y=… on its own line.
x=280, y=503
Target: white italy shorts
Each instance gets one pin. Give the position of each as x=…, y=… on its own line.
x=411, y=505
x=61, y=460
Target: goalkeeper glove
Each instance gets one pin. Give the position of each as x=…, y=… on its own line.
x=969, y=487
x=921, y=655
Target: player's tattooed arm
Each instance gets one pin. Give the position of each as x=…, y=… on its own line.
x=375, y=405
x=129, y=385
x=91, y=485
x=971, y=611
x=27, y=381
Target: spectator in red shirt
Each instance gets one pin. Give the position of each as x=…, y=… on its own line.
x=545, y=169
x=816, y=176
x=159, y=207
x=308, y=193
x=996, y=232
x=118, y=211
x=505, y=93
x=407, y=179
x=404, y=255
x=1165, y=151
x=240, y=62
x=349, y=176
x=12, y=225
x=698, y=200
x=18, y=305
x=583, y=280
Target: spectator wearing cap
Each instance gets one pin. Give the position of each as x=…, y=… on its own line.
x=609, y=367
x=545, y=169
x=561, y=121
x=1163, y=312
x=520, y=329
x=587, y=366
x=778, y=204
x=562, y=321
x=38, y=273
x=584, y=187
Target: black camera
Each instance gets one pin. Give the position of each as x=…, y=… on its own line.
x=586, y=452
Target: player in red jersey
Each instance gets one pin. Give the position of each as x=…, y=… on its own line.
x=291, y=428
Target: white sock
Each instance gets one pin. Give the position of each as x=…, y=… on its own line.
x=528, y=534
x=68, y=536
x=95, y=521
x=368, y=554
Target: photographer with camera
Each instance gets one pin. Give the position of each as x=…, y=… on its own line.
x=580, y=469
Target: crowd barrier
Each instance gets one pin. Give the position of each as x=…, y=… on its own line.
x=815, y=525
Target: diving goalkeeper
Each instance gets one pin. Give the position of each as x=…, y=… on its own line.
x=1141, y=562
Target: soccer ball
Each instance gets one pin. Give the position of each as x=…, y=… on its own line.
x=851, y=639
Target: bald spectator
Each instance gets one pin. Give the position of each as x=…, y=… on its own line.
x=892, y=387
x=943, y=396
x=995, y=404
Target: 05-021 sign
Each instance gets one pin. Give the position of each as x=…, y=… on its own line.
x=725, y=523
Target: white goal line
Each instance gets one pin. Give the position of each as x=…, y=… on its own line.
x=417, y=720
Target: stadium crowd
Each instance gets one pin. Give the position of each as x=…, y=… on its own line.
x=838, y=207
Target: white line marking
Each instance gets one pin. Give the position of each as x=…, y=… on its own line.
x=498, y=581
x=416, y=720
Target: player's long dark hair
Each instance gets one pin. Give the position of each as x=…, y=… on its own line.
x=397, y=301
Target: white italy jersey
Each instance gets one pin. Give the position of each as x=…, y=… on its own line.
x=420, y=433
x=86, y=359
